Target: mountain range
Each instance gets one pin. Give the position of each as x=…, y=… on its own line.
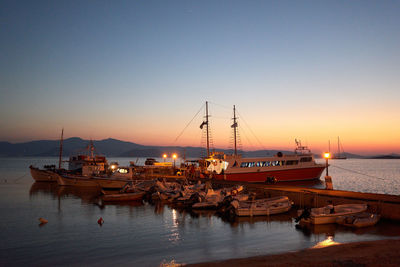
x=107, y=147
x=116, y=148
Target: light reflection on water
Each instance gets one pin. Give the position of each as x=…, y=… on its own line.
x=146, y=235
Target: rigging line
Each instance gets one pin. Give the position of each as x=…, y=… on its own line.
x=222, y=106
x=187, y=125
x=376, y=177
x=245, y=135
x=251, y=130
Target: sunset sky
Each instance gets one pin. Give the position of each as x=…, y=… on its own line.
x=139, y=71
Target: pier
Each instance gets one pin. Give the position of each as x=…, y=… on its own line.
x=388, y=206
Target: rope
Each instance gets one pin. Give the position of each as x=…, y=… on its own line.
x=372, y=176
x=17, y=179
x=251, y=131
x=187, y=125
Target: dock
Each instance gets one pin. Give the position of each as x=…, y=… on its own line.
x=388, y=206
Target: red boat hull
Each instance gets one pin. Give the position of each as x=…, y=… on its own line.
x=287, y=175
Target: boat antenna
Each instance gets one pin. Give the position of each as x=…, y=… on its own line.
x=234, y=126
x=61, y=148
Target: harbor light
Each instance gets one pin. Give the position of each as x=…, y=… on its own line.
x=164, y=156
x=328, y=179
x=327, y=156
x=174, y=156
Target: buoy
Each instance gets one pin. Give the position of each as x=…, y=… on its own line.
x=100, y=221
x=43, y=221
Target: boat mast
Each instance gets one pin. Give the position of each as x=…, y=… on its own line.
x=61, y=148
x=234, y=126
x=208, y=137
x=338, y=147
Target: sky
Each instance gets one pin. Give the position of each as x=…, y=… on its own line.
x=140, y=71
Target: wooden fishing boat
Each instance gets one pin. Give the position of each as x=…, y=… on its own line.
x=364, y=219
x=134, y=196
x=71, y=180
x=110, y=183
x=330, y=213
x=259, y=207
x=43, y=175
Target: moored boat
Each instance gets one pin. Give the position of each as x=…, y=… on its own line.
x=71, y=180
x=330, y=213
x=299, y=166
x=134, y=196
x=44, y=175
x=260, y=207
x=364, y=219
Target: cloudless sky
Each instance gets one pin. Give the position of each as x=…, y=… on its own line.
x=140, y=70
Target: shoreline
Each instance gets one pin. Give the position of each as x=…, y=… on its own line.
x=367, y=253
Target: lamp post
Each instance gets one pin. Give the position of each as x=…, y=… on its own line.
x=327, y=156
x=164, y=156
x=328, y=179
x=174, y=156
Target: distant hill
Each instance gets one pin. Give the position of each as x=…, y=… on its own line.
x=116, y=148
x=391, y=156
x=110, y=148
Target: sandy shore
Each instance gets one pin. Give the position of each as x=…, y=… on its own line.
x=369, y=253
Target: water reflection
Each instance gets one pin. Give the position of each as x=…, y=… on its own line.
x=326, y=243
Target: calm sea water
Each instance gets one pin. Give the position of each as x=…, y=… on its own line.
x=149, y=235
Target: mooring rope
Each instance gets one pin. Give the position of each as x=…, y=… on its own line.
x=372, y=176
x=15, y=180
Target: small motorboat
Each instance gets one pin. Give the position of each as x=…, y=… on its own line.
x=328, y=214
x=364, y=219
x=259, y=207
x=133, y=196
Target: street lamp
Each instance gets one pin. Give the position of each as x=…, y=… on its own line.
x=328, y=179
x=327, y=155
x=164, y=156
x=174, y=156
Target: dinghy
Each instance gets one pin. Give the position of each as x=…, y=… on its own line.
x=329, y=214
x=364, y=219
x=259, y=207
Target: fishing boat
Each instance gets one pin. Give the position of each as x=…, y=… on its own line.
x=47, y=174
x=299, y=166
x=87, y=162
x=76, y=180
x=262, y=207
x=340, y=152
x=134, y=196
x=329, y=213
x=364, y=219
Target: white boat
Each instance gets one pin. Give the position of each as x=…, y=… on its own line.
x=330, y=213
x=364, y=219
x=260, y=207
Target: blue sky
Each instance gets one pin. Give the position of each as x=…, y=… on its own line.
x=139, y=70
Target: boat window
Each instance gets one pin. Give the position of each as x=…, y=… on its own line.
x=243, y=165
x=306, y=159
x=251, y=164
x=292, y=162
x=276, y=163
